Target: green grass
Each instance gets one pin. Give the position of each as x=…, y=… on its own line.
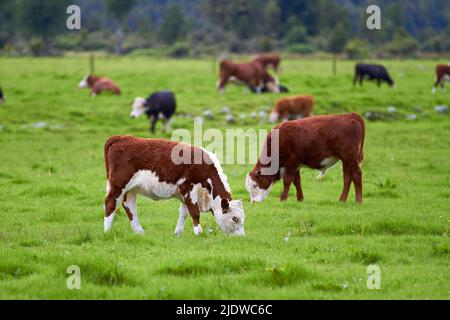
x=52, y=185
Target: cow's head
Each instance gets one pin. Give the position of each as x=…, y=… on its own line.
x=84, y=83
x=231, y=219
x=259, y=185
x=391, y=82
x=139, y=107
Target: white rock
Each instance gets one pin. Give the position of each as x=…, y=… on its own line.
x=225, y=109
x=199, y=119
x=392, y=109
x=230, y=118
x=208, y=114
x=411, y=117
x=441, y=109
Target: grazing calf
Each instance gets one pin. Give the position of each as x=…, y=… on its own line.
x=2, y=97
x=158, y=105
x=290, y=108
x=372, y=72
x=148, y=167
x=269, y=60
x=252, y=74
x=99, y=84
x=317, y=142
x=442, y=75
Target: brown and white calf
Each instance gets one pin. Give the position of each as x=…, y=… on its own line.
x=252, y=74
x=317, y=142
x=295, y=107
x=99, y=84
x=152, y=168
x=442, y=75
x=269, y=60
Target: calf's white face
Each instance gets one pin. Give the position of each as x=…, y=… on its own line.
x=83, y=83
x=232, y=220
x=138, y=108
x=257, y=194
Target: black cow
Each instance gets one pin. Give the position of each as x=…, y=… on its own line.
x=372, y=72
x=160, y=105
x=2, y=97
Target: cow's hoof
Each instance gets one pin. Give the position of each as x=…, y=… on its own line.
x=198, y=230
x=137, y=228
x=178, y=232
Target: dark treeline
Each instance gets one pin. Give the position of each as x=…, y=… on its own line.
x=204, y=27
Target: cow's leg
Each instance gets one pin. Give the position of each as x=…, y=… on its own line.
x=361, y=77
x=347, y=183
x=181, y=219
x=298, y=186
x=357, y=182
x=130, y=206
x=288, y=178
x=194, y=211
x=153, y=123
x=436, y=84
x=111, y=202
x=355, y=79
x=379, y=82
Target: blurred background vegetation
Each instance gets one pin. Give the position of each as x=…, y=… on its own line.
x=196, y=28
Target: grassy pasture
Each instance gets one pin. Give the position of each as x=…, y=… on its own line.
x=52, y=185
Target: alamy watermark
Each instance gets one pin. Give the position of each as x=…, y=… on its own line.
x=236, y=146
x=73, y=22
x=373, y=277
x=374, y=20
x=73, y=281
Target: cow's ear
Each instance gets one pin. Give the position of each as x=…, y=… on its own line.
x=225, y=205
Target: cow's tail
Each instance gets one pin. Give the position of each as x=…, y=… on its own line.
x=108, y=145
x=363, y=130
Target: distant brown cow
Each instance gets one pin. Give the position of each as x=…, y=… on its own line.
x=290, y=108
x=316, y=142
x=442, y=75
x=269, y=60
x=99, y=84
x=252, y=74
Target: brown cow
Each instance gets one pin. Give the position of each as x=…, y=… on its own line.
x=269, y=60
x=317, y=142
x=252, y=74
x=162, y=169
x=294, y=107
x=99, y=84
x=442, y=75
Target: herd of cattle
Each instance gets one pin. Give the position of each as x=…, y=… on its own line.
x=147, y=167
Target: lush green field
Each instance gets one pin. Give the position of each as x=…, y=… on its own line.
x=52, y=186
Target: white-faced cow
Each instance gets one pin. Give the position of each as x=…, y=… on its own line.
x=372, y=72
x=289, y=108
x=159, y=105
x=442, y=75
x=252, y=74
x=162, y=169
x=317, y=142
x=99, y=84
